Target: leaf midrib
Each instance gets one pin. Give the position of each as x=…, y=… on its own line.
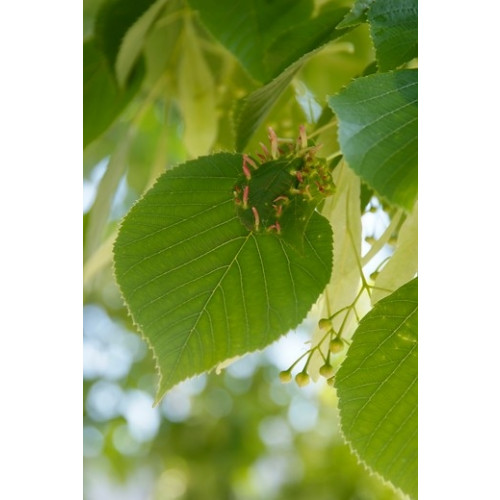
x=204, y=308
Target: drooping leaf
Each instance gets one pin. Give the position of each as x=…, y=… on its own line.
x=378, y=132
x=200, y=284
x=113, y=20
x=197, y=96
x=394, y=29
x=378, y=391
x=103, y=100
x=403, y=263
x=133, y=41
x=248, y=27
x=356, y=15
x=252, y=110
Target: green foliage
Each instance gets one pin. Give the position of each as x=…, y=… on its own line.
x=133, y=41
x=357, y=14
x=201, y=286
x=378, y=132
x=252, y=110
x=248, y=28
x=218, y=254
x=114, y=19
x=378, y=392
x=394, y=29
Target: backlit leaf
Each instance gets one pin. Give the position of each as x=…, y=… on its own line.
x=203, y=287
x=378, y=132
x=378, y=391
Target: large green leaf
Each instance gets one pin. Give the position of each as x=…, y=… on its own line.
x=203, y=287
x=394, y=29
x=378, y=132
x=103, y=100
x=378, y=391
x=252, y=110
x=248, y=27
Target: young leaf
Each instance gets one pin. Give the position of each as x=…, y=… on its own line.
x=394, y=29
x=133, y=41
x=403, y=264
x=378, y=132
x=113, y=20
x=203, y=287
x=378, y=392
x=248, y=27
x=103, y=100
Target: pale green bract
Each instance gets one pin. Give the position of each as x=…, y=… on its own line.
x=200, y=285
x=378, y=391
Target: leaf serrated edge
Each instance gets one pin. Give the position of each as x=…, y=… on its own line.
x=362, y=463
x=136, y=325
x=367, y=467
x=409, y=208
x=158, y=396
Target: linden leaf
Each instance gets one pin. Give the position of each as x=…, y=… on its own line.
x=378, y=391
x=203, y=287
x=378, y=125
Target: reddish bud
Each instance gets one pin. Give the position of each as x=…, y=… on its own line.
x=246, y=192
x=256, y=217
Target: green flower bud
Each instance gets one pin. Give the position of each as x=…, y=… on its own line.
x=302, y=379
x=336, y=345
x=285, y=376
x=326, y=370
x=330, y=381
x=324, y=323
